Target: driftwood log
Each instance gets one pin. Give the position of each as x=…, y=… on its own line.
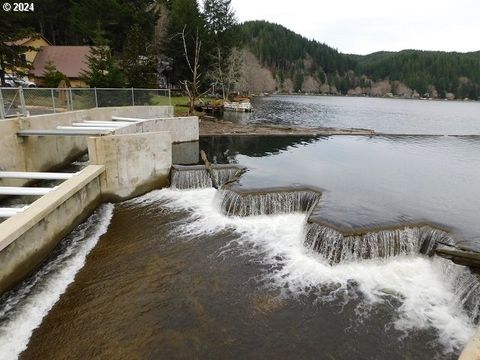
x=235, y=178
x=209, y=168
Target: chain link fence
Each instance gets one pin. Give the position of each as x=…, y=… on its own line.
x=37, y=101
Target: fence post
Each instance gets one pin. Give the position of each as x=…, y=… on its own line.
x=96, y=98
x=133, y=97
x=169, y=97
x=71, y=98
x=53, y=102
x=22, y=101
x=2, y=106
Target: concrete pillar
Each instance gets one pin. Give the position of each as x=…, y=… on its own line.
x=472, y=349
x=186, y=153
x=134, y=163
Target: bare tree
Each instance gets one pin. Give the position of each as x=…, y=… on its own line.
x=228, y=73
x=192, y=87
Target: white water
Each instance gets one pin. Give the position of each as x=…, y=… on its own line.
x=427, y=297
x=337, y=248
x=248, y=204
x=23, y=310
x=200, y=178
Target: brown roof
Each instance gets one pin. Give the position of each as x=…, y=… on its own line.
x=70, y=60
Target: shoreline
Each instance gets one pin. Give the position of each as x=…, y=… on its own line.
x=211, y=126
x=395, y=97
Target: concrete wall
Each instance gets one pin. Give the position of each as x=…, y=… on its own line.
x=186, y=153
x=35, y=153
x=50, y=152
x=183, y=129
x=145, y=112
x=27, y=238
x=472, y=349
x=134, y=163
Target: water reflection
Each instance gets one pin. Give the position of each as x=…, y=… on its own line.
x=224, y=149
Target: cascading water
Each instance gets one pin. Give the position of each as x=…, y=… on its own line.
x=265, y=203
x=466, y=287
x=190, y=179
x=426, y=297
x=22, y=309
x=197, y=177
x=336, y=247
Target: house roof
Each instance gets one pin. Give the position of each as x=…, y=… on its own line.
x=70, y=60
x=26, y=40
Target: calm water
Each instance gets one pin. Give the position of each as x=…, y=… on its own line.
x=392, y=116
x=169, y=276
x=369, y=180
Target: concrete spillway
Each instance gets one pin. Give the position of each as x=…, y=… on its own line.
x=268, y=201
x=197, y=177
x=337, y=247
x=127, y=158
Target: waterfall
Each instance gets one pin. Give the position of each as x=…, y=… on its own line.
x=196, y=177
x=336, y=247
x=269, y=202
x=190, y=179
x=466, y=287
x=225, y=174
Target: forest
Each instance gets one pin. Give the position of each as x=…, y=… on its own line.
x=197, y=47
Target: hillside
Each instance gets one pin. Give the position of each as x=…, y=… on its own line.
x=300, y=64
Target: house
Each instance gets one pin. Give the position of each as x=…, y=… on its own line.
x=70, y=60
x=36, y=42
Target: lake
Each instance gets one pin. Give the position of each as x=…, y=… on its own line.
x=171, y=275
x=392, y=116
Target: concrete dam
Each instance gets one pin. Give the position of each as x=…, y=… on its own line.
x=129, y=151
x=130, y=154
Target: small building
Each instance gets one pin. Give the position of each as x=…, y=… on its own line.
x=70, y=60
x=36, y=42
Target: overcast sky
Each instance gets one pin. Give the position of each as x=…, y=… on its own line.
x=365, y=26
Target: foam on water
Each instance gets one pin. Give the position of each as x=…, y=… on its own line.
x=427, y=298
x=22, y=310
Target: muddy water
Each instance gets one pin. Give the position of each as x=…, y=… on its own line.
x=173, y=278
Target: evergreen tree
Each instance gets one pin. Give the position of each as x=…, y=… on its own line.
x=12, y=57
x=102, y=70
x=52, y=77
x=116, y=18
x=138, y=60
x=219, y=21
